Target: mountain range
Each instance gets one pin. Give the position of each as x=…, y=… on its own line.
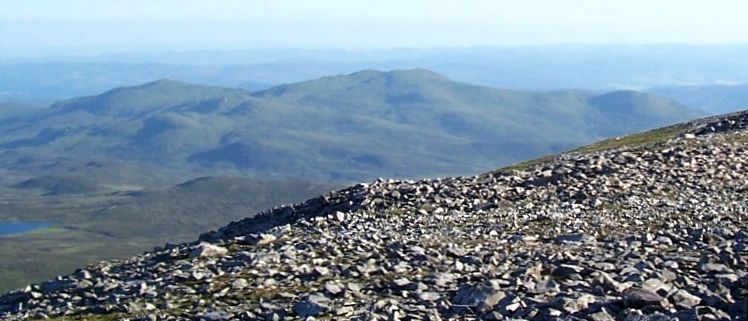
x=590, y=67
x=345, y=128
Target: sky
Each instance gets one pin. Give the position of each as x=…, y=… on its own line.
x=93, y=26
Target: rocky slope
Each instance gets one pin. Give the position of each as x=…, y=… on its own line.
x=648, y=227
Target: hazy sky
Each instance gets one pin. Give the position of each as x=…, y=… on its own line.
x=133, y=25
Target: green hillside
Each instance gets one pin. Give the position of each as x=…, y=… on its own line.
x=149, y=98
x=404, y=123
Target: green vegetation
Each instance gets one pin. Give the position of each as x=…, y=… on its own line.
x=635, y=140
x=527, y=164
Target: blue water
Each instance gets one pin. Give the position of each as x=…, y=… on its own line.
x=20, y=227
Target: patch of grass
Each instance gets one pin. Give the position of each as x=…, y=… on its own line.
x=105, y=317
x=32, y=257
x=46, y=230
x=527, y=164
x=737, y=138
x=635, y=140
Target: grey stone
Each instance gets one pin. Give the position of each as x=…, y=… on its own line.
x=333, y=288
x=208, y=250
x=429, y=296
x=684, y=299
x=601, y=315
x=239, y=284
x=213, y=316
x=638, y=297
x=482, y=297
x=577, y=238
x=314, y=305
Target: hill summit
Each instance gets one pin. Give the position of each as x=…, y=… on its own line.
x=147, y=98
x=652, y=226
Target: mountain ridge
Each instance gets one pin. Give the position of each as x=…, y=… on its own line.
x=403, y=123
x=156, y=94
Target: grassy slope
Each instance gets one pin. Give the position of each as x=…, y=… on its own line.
x=635, y=140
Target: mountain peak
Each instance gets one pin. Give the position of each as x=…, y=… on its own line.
x=161, y=93
x=419, y=73
x=624, y=100
x=165, y=82
x=365, y=82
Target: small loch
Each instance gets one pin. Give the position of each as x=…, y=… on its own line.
x=20, y=227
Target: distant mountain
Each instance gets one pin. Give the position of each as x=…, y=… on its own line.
x=31, y=81
x=711, y=99
x=621, y=110
x=58, y=176
x=150, y=98
x=403, y=123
